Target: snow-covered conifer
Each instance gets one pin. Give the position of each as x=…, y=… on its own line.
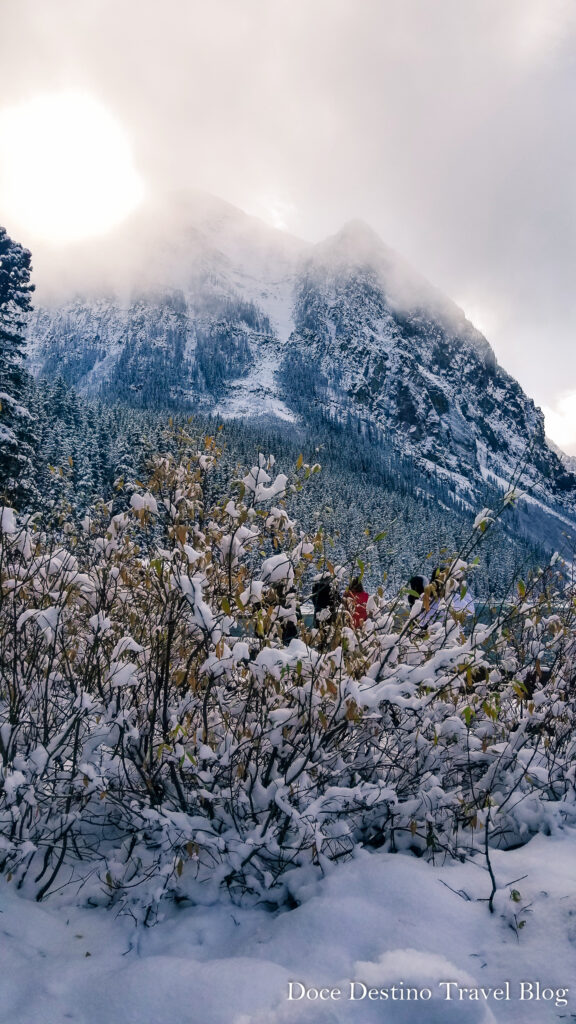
x=16, y=423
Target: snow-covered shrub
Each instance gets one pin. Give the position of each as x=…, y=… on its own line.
x=157, y=731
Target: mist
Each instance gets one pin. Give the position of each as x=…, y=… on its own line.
x=447, y=127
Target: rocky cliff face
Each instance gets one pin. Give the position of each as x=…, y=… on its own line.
x=379, y=342
x=212, y=309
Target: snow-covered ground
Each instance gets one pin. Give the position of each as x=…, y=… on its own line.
x=378, y=922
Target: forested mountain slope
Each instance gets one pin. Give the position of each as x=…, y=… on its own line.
x=202, y=307
x=90, y=450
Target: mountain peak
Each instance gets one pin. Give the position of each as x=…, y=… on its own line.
x=358, y=247
x=357, y=242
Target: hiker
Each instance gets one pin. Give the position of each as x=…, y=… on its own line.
x=356, y=599
x=427, y=593
x=324, y=600
x=417, y=584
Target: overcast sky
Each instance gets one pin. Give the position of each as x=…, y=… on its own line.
x=449, y=125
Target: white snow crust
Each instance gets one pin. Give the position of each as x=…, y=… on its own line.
x=379, y=920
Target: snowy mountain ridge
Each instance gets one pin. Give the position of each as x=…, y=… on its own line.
x=203, y=306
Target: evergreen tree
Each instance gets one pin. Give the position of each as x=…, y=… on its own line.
x=16, y=422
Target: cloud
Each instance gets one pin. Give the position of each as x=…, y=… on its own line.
x=560, y=422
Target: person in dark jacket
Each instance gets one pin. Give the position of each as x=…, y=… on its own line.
x=356, y=599
x=417, y=584
x=324, y=601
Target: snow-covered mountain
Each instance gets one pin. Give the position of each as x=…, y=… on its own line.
x=196, y=303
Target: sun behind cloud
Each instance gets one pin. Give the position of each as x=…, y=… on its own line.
x=66, y=168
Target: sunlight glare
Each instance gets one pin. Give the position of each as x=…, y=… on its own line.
x=66, y=169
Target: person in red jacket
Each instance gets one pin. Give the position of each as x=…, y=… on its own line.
x=356, y=600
